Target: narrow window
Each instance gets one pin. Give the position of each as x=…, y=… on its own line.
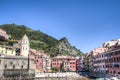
x=22, y=67
x=5, y=66
x=13, y=66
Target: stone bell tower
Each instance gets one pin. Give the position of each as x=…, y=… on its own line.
x=25, y=46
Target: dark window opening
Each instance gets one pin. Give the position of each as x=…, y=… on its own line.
x=13, y=66
x=22, y=66
x=5, y=66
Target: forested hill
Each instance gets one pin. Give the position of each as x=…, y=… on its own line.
x=38, y=39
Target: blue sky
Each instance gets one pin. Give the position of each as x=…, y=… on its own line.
x=87, y=24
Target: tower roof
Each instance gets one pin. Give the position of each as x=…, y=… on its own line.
x=25, y=37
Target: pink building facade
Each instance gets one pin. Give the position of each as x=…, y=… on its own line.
x=113, y=62
x=107, y=63
x=113, y=58
x=40, y=59
x=64, y=62
x=3, y=35
x=79, y=64
x=98, y=59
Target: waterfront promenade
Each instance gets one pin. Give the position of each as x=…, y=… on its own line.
x=51, y=76
x=59, y=76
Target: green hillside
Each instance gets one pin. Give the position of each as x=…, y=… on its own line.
x=38, y=39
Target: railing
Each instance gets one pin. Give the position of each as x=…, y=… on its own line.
x=48, y=76
x=56, y=74
x=45, y=78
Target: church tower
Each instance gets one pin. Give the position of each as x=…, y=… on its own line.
x=25, y=46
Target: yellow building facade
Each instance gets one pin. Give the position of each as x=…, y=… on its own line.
x=7, y=50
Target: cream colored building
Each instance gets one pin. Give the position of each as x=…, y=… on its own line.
x=7, y=50
x=16, y=65
x=12, y=51
x=24, y=46
x=48, y=64
x=66, y=65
